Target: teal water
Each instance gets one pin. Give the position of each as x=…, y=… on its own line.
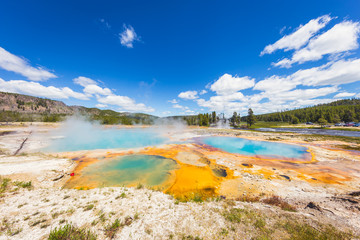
x=131, y=169
x=252, y=148
x=96, y=138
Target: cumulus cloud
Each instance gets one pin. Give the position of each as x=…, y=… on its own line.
x=300, y=37
x=13, y=63
x=84, y=81
x=36, y=89
x=91, y=86
x=203, y=92
x=125, y=103
x=228, y=84
x=188, y=95
x=94, y=89
x=100, y=105
x=303, y=88
x=106, y=97
x=128, y=36
x=344, y=95
x=340, y=72
x=335, y=73
x=341, y=38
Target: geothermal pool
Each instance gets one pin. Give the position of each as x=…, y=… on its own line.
x=95, y=138
x=255, y=148
x=126, y=170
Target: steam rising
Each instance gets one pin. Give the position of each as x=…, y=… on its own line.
x=77, y=133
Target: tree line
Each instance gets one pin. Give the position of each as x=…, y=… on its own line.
x=208, y=119
x=347, y=110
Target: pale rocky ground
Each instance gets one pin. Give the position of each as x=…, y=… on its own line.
x=155, y=215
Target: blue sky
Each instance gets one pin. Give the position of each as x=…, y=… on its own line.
x=181, y=57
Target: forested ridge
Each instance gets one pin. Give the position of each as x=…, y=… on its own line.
x=347, y=110
x=23, y=108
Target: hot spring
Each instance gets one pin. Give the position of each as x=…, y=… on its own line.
x=126, y=170
x=85, y=136
x=255, y=148
x=163, y=167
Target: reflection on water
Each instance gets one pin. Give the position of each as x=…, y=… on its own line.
x=126, y=170
x=313, y=131
x=251, y=147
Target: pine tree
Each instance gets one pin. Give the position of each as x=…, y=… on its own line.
x=250, y=117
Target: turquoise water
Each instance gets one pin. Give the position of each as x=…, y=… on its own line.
x=131, y=169
x=96, y=138
x=252, y=148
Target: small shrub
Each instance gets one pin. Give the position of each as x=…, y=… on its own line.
x=248, y=198
x=277, y=201
x=89, y=207
x=70, y=232
x=122, y=195
x=4, y=183
x=21, y=184
x=111, y=229
x=197, y=198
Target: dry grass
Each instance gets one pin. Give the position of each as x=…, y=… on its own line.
x=278, y=201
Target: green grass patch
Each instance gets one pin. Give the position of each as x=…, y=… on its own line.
x=317, y=137
x=349, y=147
x=70, y=232
x=89, y=207
x=4, y=184
x=262, y=124
x=303, y=231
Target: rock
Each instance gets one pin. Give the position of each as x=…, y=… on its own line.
x=313, y=206
x=355, y=194
x=58, y=178
x=286, y=177
x=128, y=221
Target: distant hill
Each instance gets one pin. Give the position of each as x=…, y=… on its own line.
x=346, y=110
x=22, y=108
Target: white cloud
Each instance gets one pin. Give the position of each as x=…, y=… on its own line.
x=300, y=37
x=125, y=103
x=292, y=91
x=101, y=105
x=38, y=90
x=335, y=73
x=166, y=113
x=174, y=101
x=91, y=86
x=228, y=84
x=275, y=84
x=340, y=72
x=84, y=81
x=128, y=36
x=190, y=112
x=203, y=92
x=178, y=106
x=94, y=89
x=344, y=95
x=188, y=95
x=13, y=63
x=301, y=94
x=340, y=38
